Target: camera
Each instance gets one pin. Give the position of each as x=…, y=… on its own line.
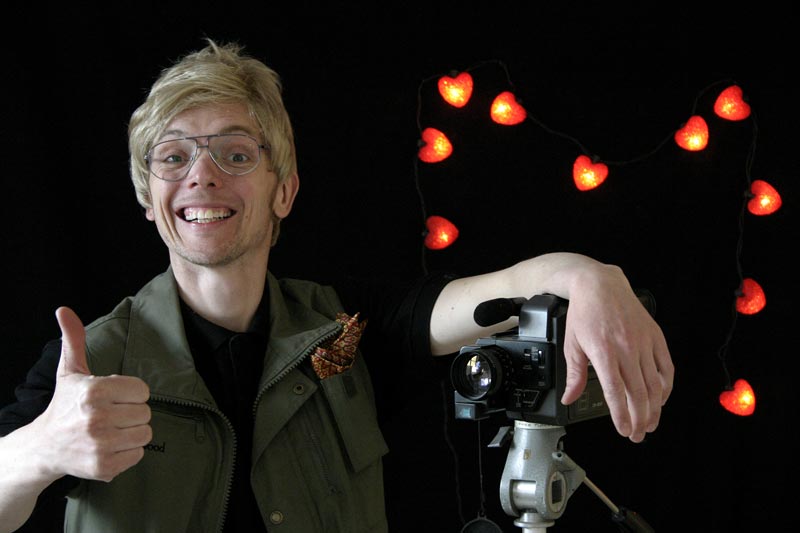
x=522, y=372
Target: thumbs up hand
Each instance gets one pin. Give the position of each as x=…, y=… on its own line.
x=95, y=426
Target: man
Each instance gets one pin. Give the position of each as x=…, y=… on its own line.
x=221, y=398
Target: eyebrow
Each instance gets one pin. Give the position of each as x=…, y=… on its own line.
x=228, y=129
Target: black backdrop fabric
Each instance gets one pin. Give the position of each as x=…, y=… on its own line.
x=359, y=83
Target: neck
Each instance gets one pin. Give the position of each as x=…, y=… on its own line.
x=226, y=295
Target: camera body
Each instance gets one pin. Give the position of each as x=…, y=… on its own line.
x=522, y=371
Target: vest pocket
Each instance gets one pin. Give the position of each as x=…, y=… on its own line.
x=354, y=410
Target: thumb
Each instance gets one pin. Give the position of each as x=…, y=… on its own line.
x=577, y=373
x=73, y=343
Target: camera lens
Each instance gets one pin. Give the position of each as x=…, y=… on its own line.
x=477, y=374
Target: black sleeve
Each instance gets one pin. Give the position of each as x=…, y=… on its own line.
x=33, y=396
x=396, y=339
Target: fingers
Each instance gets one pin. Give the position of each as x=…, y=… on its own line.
x=615, y=393
x=649, y=385
x=666, y=370
x=116, y=389
x=636, y=379
x=124, y=449
x=104, y=413
x=131, y=415
x=132, y=438
x=110, y=435
x=117, y=464
x=635, y=393
x=644, y=412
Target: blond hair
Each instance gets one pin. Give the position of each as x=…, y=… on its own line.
x=213, y=75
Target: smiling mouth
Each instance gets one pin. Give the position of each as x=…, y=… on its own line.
x=205, y=215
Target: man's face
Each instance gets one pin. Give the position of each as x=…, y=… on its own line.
x=212, y=218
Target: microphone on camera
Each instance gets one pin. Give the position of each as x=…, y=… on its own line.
x=491, y=312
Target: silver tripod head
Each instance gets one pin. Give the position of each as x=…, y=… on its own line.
x=539, y=477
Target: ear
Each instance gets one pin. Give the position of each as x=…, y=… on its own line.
x=148, y=213
x=285, y=193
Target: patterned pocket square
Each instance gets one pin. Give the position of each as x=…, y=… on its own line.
x=337, y=355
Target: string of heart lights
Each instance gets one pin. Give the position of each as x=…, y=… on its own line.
x=760, y=198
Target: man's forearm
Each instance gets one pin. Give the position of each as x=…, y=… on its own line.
x=452, y=322
x=22, y=480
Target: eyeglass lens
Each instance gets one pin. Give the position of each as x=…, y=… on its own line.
x=236, y=154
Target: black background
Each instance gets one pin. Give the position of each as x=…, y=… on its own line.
x=610, y=82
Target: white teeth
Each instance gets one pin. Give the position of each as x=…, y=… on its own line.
x=203, y=216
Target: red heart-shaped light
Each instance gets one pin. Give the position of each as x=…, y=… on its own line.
x=436, y=147
x=693, y=136
x=456, y=91
x=765, y=200
x=588, y=175
x=441, y=233
x=752, y=299
x=739, y=401
x=730, y=104
x=506, y=111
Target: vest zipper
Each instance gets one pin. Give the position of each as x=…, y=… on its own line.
x=299, y=359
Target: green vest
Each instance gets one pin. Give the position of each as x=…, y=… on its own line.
x=317, y=448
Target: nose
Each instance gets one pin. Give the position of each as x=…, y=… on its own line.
x=204, y=171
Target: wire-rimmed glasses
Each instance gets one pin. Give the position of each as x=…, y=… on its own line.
x=235, y=153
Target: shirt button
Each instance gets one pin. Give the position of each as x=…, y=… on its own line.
x=299, y=389
x=276, y=517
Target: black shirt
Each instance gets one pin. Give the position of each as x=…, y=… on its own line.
x=230, y=364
